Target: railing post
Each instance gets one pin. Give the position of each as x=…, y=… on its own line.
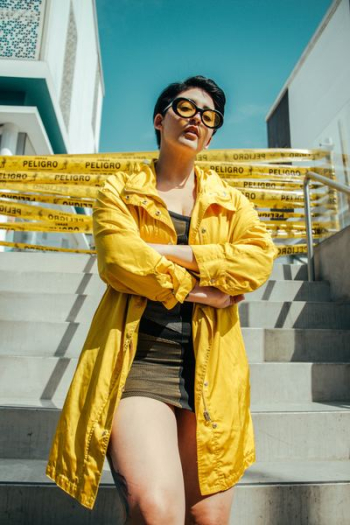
x=310, y=175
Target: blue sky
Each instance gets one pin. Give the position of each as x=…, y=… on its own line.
x=249, y=47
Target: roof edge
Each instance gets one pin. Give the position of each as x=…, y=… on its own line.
x=331, y=10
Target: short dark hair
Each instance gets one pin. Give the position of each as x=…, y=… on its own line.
x=170, y=92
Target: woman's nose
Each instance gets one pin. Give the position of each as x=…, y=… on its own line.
x=196, y=117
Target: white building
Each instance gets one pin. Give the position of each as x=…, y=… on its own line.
x=51, y=85
x=313, y=107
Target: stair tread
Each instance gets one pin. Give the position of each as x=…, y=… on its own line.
x=312, y=406
x=11, y=294
x=32, y=471
x=244, y=328
x=302, y=364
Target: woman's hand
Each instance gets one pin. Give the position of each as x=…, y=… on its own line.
x=208, y=295
x=212, y=296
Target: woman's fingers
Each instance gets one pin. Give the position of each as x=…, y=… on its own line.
x=238, y=298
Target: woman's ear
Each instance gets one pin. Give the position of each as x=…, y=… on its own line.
x=158, y=119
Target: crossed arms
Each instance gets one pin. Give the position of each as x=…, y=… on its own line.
x=165, y=272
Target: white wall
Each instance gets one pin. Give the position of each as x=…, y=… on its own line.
x=81, y=137
x=319, y=94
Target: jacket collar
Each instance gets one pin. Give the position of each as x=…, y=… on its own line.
x=210, y=188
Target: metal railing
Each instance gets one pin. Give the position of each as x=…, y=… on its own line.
x=311, y=175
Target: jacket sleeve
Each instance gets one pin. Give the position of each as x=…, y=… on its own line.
x=126, y=262
x=244, y=263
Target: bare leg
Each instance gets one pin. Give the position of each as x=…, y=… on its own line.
x=200, y=510
x=144, y=449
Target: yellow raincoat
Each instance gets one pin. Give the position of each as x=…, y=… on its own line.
x=234, y=253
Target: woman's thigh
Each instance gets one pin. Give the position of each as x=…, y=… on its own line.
x=144, y=449
x=200, y=510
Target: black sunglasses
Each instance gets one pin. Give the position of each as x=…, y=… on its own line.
x=186, y=108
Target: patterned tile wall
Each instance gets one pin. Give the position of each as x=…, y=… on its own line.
x=96, y=89
x=68, y=67
x=20, y=26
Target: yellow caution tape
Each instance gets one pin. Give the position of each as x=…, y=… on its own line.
x=276, y=232
x=269, y=153
x=75, y=179
x=292, y=225
x=283, y=215
x=113, y=162
x=26, y=211
x=282, y=249
x=62, y=166
x=282, y=196
x=251, y=184
x=46, y=227
x=291, y=249
x=59, y=189
x=82, y=173
x=31, y=197
x=290, y=234
x=25, y=246
x=278, y=171
x=38, y=181
x=53, y=178
x=262, y=155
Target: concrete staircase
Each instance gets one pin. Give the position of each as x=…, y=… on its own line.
x=298, y=345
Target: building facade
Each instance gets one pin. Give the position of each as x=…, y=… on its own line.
x=313, y=107
x=51, y=87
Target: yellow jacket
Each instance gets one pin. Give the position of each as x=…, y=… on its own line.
x=234, y=253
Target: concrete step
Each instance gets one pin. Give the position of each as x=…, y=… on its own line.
x=48, y=262
x=49, y=378
x=296, y=345
x=36, y=377
x=91, y=284
x=80, y=263
x=309, y=431
x=17, y=306
x=274, y=290
x=299, y=382
x=273, y=314
x=31, y=338
x=28, y=496
x=308, y=434
x=35, y=338
x=53, y=282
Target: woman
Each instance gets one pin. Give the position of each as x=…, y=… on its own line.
x=163, y=378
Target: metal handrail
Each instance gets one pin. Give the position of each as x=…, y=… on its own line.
x=310, y=245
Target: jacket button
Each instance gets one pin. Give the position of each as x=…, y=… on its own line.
x=144, y=202
x=214, y=425
x=127, y=197
x=206, y=383
x=158, y=212
x=204, y=230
